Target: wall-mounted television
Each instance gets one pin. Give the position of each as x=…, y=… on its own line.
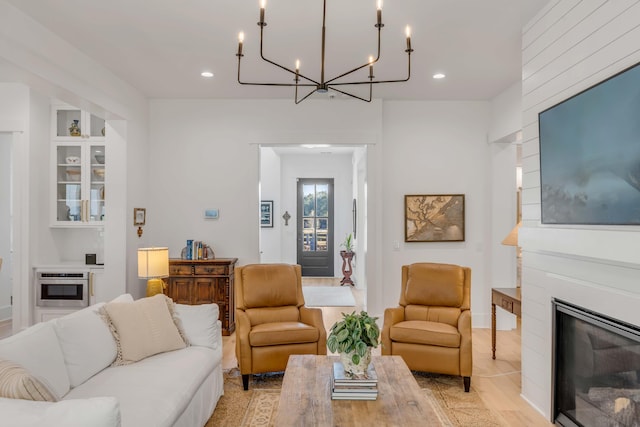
x=590, y=155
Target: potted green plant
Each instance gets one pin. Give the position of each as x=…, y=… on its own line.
x=348, y=243
x=353, y=337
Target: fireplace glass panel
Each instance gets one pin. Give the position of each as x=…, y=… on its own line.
x=597, y=369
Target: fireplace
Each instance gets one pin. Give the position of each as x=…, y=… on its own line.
x=596, y=369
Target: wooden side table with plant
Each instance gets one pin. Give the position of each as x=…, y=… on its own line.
x=347, y=255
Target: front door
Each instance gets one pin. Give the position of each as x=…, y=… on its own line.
x=315, y=226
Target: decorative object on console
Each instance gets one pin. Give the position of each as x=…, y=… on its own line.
x=197, y=249
x=353, y=337
x=321, y=85
x=434, y=218
x=153, y=264
x=266, y=213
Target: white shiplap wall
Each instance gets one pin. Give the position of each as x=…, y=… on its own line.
x=569, y=46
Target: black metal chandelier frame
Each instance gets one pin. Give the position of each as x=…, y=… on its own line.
x=323, y=86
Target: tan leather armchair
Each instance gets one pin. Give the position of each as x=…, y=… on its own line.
x=272, y=322
x=431, y=328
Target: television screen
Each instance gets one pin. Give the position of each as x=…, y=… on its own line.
x=590, y=155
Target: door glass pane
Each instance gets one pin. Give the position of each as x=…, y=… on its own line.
x=321, y=234
x=322, y=200
x=97, y=191
x=68, y=177
x=308, y=235
x=309, y=200
x=68, y=123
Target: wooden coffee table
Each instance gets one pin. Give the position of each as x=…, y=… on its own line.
x=305, y=399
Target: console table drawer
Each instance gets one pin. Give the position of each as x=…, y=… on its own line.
x=211, y=269
x=507, y=305
x=180, y=270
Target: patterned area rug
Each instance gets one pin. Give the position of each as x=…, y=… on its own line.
x=257, y=406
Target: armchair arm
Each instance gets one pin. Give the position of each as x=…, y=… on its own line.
x=313, y=317
x=466, y=351
x=243, y=348
x=391, y=317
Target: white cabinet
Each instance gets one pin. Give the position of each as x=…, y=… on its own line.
x=99, y=289
x=78, y=169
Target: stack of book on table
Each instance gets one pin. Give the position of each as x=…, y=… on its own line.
x=345, y=386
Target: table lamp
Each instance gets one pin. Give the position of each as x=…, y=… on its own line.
x=153, y=263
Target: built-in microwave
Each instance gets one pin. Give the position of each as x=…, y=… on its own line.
x=62, y=289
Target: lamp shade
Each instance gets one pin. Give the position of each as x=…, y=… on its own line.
x=153, y=262
x=512, y=237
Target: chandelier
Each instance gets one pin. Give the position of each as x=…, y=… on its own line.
x=322, y=85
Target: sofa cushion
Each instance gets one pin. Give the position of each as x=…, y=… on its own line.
x=17, y=383
x=282, y=333
x=87, y=343
x=143, y=328
x=199, y=323
x=427, y=333
x=95, y=412
x=155, y=391
x=37, y=350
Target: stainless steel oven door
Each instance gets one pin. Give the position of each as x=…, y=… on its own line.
x=62, y=293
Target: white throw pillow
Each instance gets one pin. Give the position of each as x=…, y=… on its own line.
x=94, y=412
x=87, y=344
x=37, y=350
x=200, y=323
x=143, y=328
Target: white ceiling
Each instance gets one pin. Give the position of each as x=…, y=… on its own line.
x=161, y=46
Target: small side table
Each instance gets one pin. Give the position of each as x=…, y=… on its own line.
x=508, y=299
x=346, y=268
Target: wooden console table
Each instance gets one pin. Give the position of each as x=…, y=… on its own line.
x=508, y=299
x=203, y=282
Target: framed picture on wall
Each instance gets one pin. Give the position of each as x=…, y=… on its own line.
x=266, y=213
x=139, y=216
x=434, y=218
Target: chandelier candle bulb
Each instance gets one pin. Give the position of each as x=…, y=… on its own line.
x=371, y=67
x=263, y=3
x=240, y=40
x=379, y=12
x=408, y=32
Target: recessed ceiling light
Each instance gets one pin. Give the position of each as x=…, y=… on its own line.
x=438, y=76
x=207, y=74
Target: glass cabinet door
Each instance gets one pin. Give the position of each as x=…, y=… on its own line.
x=96, y=180
x=69, y=183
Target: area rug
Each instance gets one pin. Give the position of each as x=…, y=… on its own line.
x=328, y=296
x=257, y=406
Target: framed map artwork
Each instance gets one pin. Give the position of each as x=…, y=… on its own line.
x=434, y=218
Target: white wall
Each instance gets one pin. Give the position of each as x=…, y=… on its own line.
x=437, y=148
x=568, y=47
x=271, y=237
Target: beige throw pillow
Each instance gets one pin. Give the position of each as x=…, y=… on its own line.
x=143, y=328
x=17, y=383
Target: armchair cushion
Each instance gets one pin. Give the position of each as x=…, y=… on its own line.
x=282, y=333
x=448, y=315
x=269, y=286
x=431, y=284
x=426, y=333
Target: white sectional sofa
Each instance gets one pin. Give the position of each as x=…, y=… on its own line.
x=72, y=357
